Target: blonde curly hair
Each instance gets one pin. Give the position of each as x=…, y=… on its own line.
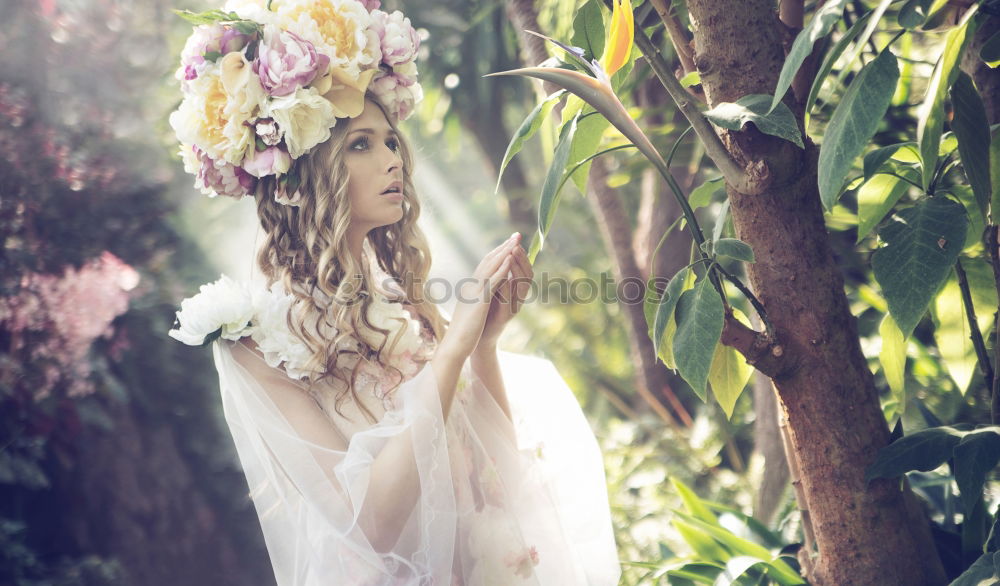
x=306, y=249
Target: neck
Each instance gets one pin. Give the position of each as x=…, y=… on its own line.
x=356, y=243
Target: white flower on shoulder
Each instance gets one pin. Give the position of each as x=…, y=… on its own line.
x=224, y=306
x=275, y=339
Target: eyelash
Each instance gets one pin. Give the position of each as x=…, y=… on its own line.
x=362, y=142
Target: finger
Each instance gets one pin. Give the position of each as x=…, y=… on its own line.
x=492, y=260
x=521, y=257
x=500, y=274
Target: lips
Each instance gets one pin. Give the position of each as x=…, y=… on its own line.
x=396, y=187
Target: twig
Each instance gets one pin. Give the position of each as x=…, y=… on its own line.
x=992, y=238
x=678, y=36
x=749, y=183
x=975, y=334
x=800, y=498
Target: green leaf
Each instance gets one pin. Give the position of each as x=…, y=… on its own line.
x=859, y=46
x=892, y=357
x=982, y=571
x=206, y=17
x=874, y=160
x=702, y=195
x=930, y=114
x=975, y=455
x=754, y=108
x=875, y=198
x=701, y=542
x=854, y=122
x=527, y=129
x=588, y=30
x=700, y=317
x=831, y=58
x=914, y=13
x=589, y=131
x=550, y=194
x=697, y=572
x=990, y=51
x=924, y=450
x=734, y=248
x=820, y=25
x=693, y=504
x=729, y=373
x=973, y=132
x=665, y=309
x=691, y=79
x=922, y=244
x=780, y=570
x=951, y=333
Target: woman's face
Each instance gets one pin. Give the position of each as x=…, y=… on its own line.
x=375, y=183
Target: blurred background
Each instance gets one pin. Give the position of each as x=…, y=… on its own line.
x=116, y=466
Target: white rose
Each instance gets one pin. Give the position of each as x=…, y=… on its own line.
x=225, y=304
x=305, y=119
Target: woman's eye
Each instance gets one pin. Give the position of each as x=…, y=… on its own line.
x=360, y=145
x=393, y=144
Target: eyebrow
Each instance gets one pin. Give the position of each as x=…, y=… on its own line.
x=390, y=132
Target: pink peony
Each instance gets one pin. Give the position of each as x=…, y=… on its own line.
x=270, y=161
x=208, y=42
x=267, y=130
x=221, y=178
x=285, y=62
x=398, y=37
x=398, y=92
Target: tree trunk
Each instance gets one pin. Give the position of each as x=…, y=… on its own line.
x=616, y=231
x=864, y=534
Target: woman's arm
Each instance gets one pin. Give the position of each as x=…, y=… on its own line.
x=487, y=367
x=394, y=482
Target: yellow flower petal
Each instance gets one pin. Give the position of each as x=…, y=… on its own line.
x=618, y=46
x=346, y=94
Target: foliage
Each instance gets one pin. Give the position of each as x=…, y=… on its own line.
x=924, y=322
x=88, y=278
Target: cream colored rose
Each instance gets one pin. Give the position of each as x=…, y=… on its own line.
x=201, y=118
x=244, y=95
x=305, y=119
x=338, y=28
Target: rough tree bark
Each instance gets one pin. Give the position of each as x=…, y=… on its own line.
x=864, y=534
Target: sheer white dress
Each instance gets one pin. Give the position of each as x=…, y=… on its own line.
x=476, y=499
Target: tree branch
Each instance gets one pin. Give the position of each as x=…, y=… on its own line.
x=760, y=350
x=678, y=35
x=752, y=181
x=974, y=333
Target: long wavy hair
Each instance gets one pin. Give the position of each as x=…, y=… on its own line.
x=305, y=248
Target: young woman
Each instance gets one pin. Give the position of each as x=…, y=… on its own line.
x=383, y=444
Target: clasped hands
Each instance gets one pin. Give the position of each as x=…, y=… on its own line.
x=488, y=301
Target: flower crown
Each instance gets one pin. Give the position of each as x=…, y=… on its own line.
x=264, y=81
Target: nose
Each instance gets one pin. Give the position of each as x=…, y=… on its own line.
x=394, y=161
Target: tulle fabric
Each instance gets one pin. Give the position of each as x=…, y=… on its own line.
x=414, y=499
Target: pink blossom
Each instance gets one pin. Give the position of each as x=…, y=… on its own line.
x=398, y=37
x=398, y=92
x=371, y=5
x=208, y=42
x=270, y=161
x=70, y=311
x=286, y=62
x=267, y=130
x=222, y=178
